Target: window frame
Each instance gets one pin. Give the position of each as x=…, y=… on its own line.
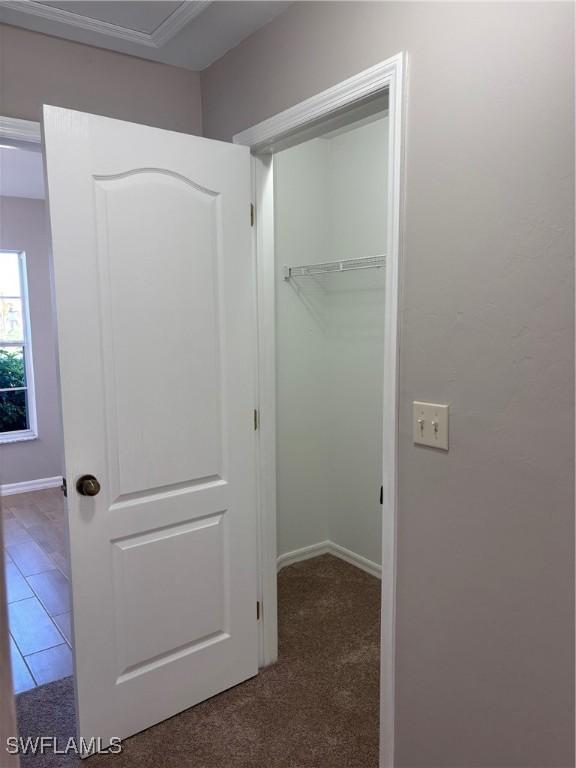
x=19, y=435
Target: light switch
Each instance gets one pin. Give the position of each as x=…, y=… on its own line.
x=430, y=424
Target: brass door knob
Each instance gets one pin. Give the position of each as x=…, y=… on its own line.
x=87, y=485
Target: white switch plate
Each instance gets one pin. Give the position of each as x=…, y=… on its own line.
x=430, y=424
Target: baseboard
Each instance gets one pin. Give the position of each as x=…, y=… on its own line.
x=30, y=485
x=304, y=553
x=360, y=562
x=330, y=548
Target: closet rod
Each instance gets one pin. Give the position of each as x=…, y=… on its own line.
x=344, y=265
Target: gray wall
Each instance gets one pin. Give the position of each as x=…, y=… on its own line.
x=485, y=613
x=36, y=69
x=24, y=227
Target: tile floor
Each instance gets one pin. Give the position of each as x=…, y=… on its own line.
x=37, y=572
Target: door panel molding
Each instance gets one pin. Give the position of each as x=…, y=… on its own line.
x=158, y=171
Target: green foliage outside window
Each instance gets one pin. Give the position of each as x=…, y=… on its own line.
x=12, y=404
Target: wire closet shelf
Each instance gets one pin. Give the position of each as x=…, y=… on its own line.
x=345, y=265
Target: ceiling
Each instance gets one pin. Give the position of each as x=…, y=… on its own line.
x=21, y=171
x=190, y=34
x=143, y=17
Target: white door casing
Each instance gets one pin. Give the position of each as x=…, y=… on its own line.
x=303, y=121
x=154, y=291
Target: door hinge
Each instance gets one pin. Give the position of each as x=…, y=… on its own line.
x=258, y=610
x=256, y=419
x=381, y=494
x=252, y=214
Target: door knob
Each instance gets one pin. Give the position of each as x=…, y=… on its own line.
x=87, y=485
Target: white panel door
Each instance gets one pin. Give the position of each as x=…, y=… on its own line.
x=154, y=295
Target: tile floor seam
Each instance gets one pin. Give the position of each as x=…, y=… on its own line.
x=36, y=526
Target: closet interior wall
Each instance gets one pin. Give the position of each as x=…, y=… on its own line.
x=330, y=204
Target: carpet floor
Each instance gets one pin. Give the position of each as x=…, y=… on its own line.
x=317, y=707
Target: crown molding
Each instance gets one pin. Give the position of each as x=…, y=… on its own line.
x=177, y=20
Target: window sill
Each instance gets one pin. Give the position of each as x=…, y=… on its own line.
x=18, y=437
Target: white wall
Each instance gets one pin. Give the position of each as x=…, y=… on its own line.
x=302, y=221
x=331, y=204
x=356, y=339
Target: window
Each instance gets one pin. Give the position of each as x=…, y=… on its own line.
x=17, y=405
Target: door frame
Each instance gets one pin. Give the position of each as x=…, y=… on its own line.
x=13, y=128
x=264, y=139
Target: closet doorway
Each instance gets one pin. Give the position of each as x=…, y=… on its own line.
x=327, y=213
x=330, y=195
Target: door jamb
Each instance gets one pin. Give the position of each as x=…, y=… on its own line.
x=12, y=129
x=262, y=139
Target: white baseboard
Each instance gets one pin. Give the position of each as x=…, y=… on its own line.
x=30, y=485
x=330, y=548
x=360, y=562
x=304, y=553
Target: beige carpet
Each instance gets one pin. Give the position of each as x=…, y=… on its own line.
x=316, y=708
